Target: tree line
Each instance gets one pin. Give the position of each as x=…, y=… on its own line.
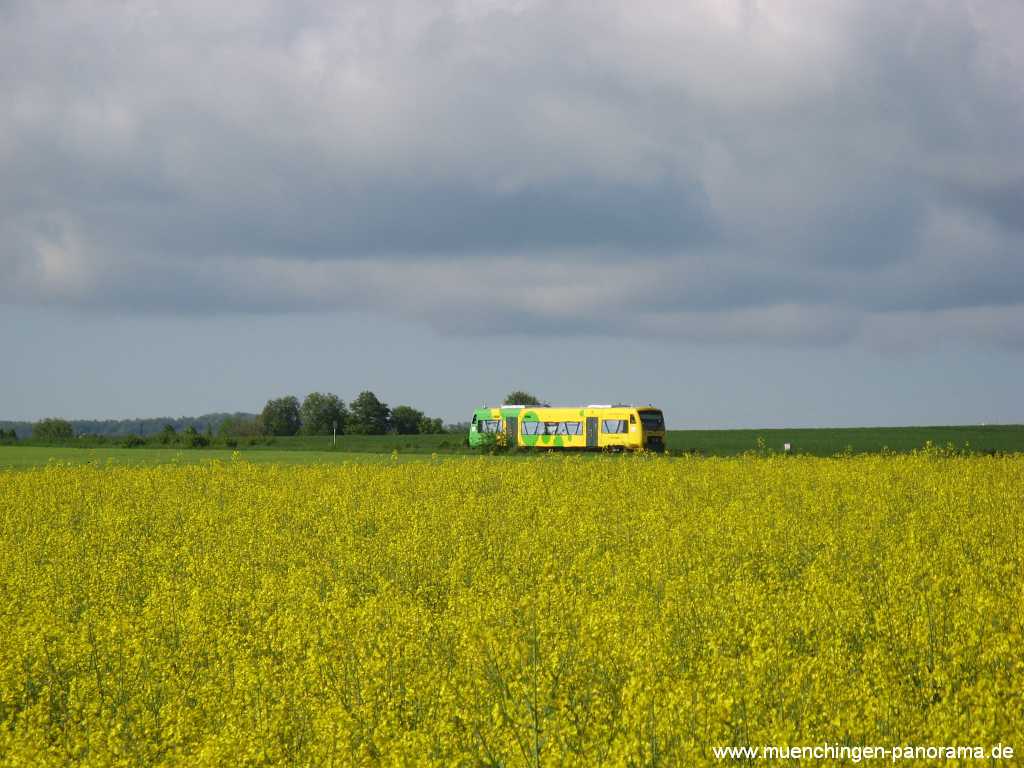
x=317, y=414
x=326, y=413
x=124, y=427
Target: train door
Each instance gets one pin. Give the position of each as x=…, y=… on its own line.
x=512, y=430
x=591, y=431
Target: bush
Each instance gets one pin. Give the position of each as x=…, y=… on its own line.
x=493, y=444
x=132, y=441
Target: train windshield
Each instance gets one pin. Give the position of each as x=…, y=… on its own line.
x=653, y=421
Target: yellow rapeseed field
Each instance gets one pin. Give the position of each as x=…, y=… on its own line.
x=550, y=611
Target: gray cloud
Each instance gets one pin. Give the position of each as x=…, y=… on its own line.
x=711, y=171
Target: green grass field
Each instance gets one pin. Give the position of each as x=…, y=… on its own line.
x=311, y=450
x=23, y=457
x=828, y=442
x=444, y=443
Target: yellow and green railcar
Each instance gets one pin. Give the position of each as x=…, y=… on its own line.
x=590, y=427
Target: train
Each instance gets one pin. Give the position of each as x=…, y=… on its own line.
x=581, y=427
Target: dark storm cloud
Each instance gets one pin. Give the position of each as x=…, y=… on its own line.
x=412, y=217
x=711, y=170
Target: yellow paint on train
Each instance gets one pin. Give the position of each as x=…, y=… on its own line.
x=593, y=427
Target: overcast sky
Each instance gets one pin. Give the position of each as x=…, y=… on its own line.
x=752, y=213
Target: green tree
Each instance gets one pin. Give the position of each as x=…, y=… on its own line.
x=320, y=413
x=368, y=415
x=519, y=397
x=53, y=430
x=405, y=420
x=168, y=434
x=194, y=439
x=281, y=416
x=429, y=426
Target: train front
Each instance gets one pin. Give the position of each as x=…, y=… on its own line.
x=653, y=423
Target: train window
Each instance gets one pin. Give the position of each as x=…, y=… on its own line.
x=652, y=421
x=553, y=427
x=488, y=425
x=613, y=426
